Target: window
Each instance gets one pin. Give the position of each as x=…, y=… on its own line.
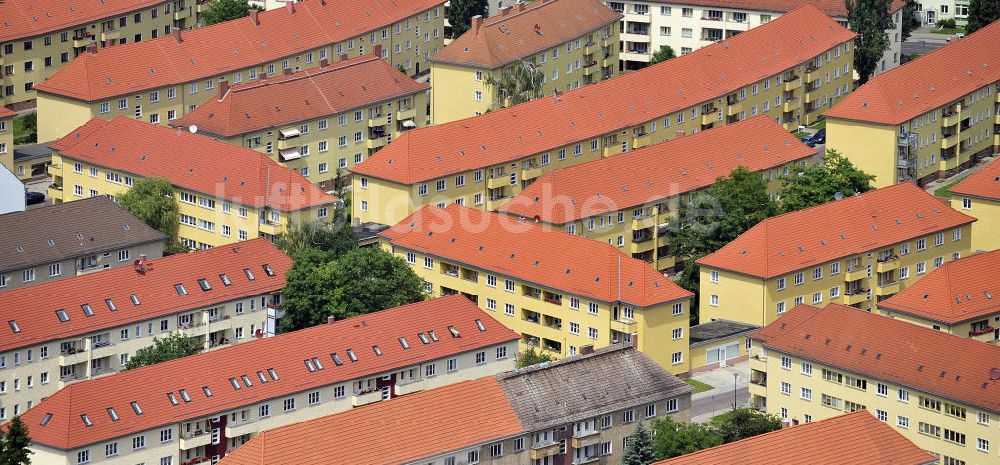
x=650, y=411
x=882, y=415
x=781, y=284
x=714, y=276
x=786, y=388
x=677, y=309
x=628, y=416
x=881, y=389
x=139, y=442
x=314, y=398
x=677, y=358
x=786, y=363
x=496, y=450
x=806, y=369
x=799, y=278
x=480, y=358
x=902, y=422
x=713, y=300
x=903, y=395
x=982, y=445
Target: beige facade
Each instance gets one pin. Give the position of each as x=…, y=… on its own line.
x=7, y=141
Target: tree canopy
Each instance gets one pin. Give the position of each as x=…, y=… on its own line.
x=664, y=53
x=14, y=443
x=673, y=439
x=981, y=14
x=816, y=184
x=518, y=83
x=460, y=14
x=326, y=237
x=152, y=201
x=869, y=19
x=911, y=21
x=743, y=423
x=532, y=357
x=640, y=448
x=225, y=10
x=174, y=345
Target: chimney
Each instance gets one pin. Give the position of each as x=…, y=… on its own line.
x=377, y=50
x=505, y=11
x=92, y=48
x=587, y=349
x=330, y=319
x=291, y=7
x=177, y=35
x=254, y=17
x=477, y=21
x=323, y=63
x=223, y=88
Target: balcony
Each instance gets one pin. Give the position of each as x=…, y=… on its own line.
x=642, y=244
x=855, y=274
x=540, y=451
x=887, y=265
x=981, y=331
x=270, y=227
x=586, y=459
x=552, y=298
x=812, y=74
x=531, y=172
x=72, y=357
x=950, y=117
x=643, y=223
x=856, y=297
x=377, y=121
x=497, y=181
x=288, y=143
x=793, y=83
x=709, y=117
x=54, y=191
x=664, y=263
x=180, y=14
x=583, y=439
x=409, y=113
x=110, y=35
x=734, y=108
x=376, y=142
x=624, y=326
x=637, y=17
x=641, y=141
x=887, y=288
x=54, y=169
x=758, y=378
x=233, y=431
x=552, y=322
x=195, y=439
x=791, y=105
x=950, y=141
x=811, y=97
x=365, y=398
x=83, y=40
x=103, y=349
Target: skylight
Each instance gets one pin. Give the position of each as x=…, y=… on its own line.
x=86, y=420
x=274, y=374
x=249, y=273
x=479, y=324
x=111, y=305
x=378, y=350
x=113, y=414
x=184, y=395
x=433, y=335
x=268, y=269
x=336, y=359
x=180, y=289
x=87, y=310
x=207, y=391
x=319, y=366
x=309, y=365
x=236, y=384
x=246, y=380
x=351, y=355
x=260, y=375
x=423, y=338
x=14, y=327
x=63, y=317
x=46, y=419
x=454, y=331
x=203, y=283
x=136, y=408
x=173, y=398
x=402, y=342
x=135, y=299
x=225, y=279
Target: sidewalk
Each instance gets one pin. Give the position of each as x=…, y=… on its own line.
x=937, y=184
x=719, y=399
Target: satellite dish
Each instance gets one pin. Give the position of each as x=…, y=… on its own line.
x=193, y=129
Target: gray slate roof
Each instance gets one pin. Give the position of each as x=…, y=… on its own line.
x=718, y=329
x=575, y=388
x=103, y=225
x=32, y=151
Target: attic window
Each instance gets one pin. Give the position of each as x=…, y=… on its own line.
x=423, y=338
x=184, y=395
x=249, y=273
x=433, y=335
x=63, y=317
x=180, y=289
x=479, y=324
x=113, y=414
x=274, y=374
x=46, y=419
x=110, y=304
x=309, y=365
x=87, y=310
x=225, y=279
x=336, y=359
x=86, y=420
x=246, y=380
x=454, y=331
x=135, y=299
x=268, y=269
x=203, y=283
x=351, y=355
x=172, y=398
x=402, y=342
x=378, y=351
x=236, y=385
x=261, y=377
x=207, y=391
x=14, y=327
x=319, y=366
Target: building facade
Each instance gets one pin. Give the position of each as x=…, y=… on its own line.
x=498, y=419
x=179, y=73
x=569, y=42
x=71, y=330
x=557, y=303
x=472, y=163
x=687, y=25
x=978, y=195
x=956, y=298
x=61, y=241
x=629, y=202
x=930, y=119
x=7, y=139
x=342, y=113
x=39, y=37
x=856, y=251
x=227, y=396
x=815, y=364
x=235, y=195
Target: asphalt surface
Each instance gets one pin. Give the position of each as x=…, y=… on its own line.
x=704, y=408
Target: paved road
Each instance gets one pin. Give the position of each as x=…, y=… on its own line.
x=923, y=41
x=704, y=408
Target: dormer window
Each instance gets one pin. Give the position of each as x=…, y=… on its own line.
x=61, y=314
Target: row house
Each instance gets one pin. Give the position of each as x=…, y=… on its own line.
x=978, y=195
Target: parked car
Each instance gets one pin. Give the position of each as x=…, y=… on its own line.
x=815, y=139
x=31, y=198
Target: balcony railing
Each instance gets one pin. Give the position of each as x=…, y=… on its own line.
x=977, y=332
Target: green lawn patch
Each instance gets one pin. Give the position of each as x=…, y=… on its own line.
x=801, y=134
x=698, y=385
x=819, y=124
x=948, y=30
x=943, y=191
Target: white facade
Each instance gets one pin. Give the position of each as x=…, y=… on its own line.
x=11, y=192
x=932, y=11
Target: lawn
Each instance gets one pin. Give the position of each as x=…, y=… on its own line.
x=698, y=385
x=948, y=30
x=943, y=191
x=819, y=124
x=801, y=134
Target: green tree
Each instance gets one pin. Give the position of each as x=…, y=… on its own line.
x=911, y=21
x=518, y=83
x=640, y=448
x=532, y=357
x=745, y=422
x=327, y=237
x=460, y=14
x=174, y=345
x=673, y=439
x=663, y=54
x=14, y=443
x=225, y=10
x=818, y=183
x=152, y=201
x=360, y=282
x=981, y=14
x=26, y=127
x=869, y=19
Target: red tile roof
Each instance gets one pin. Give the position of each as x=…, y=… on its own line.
x=317, y=92
x=225, y=47
x=233, y=173
x=34, y=307
x=20, y=19
x=654, y=173
x=548, y=257
x=835, y=229
x=930, y=82
x=984, y=183
x=417, y=426
x=284, y=353
x=960, y=290
x=833, y=8
x=5, y=113
x=870, y=442
x=526, y=30
x=608, y=106
x=885, y=348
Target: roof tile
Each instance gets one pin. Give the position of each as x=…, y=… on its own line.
x=959, y=290
x=984, y=183
x=26, y=18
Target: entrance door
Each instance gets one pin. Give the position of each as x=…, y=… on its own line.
x=931, y=17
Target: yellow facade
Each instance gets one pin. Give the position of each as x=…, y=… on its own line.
x=557, y=321
x=936, y=144
x=7, y=144
x=859, y=280
x=490, y=186
x=30, y=60
x=815, y=391
x=718, y=353
x=987, y=213
x=406, y=44
x=967, y=329
x=205, y=219
x=589, y=58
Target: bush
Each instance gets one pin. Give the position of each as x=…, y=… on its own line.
x=946, y=23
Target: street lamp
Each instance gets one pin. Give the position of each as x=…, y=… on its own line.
x=736, y=377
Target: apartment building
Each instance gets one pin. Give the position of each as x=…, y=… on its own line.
x=560, y=292
x=929, y=119
x=687, y=25
x=629, y=201
x=533, y=415
x=209, y=404
x=931, y=13
x=956, y=298
x=474, y=163
x=161, y=80
x=7, y=139
x=852, y=438
x=856, y=251
x=814, y=364
x=69, y=330
x=341, y=113
x=39, y=37
x=233, y=195
x=570, y=42
x=60, y=241
x=979, y=195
